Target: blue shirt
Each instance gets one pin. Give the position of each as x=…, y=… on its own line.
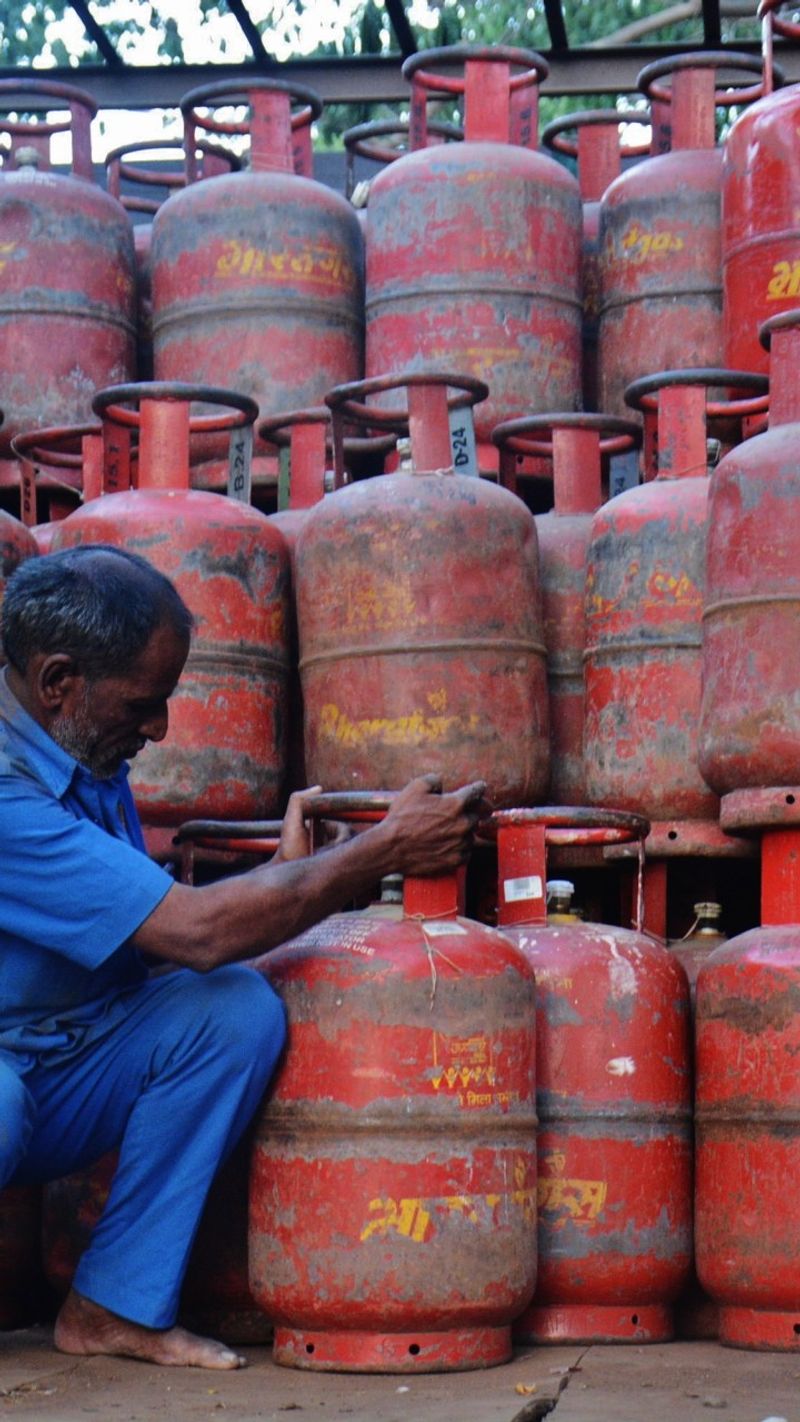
x=75, y=884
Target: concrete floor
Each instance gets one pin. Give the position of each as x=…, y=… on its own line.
x=676, y=1382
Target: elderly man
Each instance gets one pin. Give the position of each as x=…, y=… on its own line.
x=95, y=1053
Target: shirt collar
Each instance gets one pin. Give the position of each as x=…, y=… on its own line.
x=52, y=764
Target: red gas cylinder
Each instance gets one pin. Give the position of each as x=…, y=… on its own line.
x=225, y=753
x=306, y=437
x=760, y=208
x=697, y=1315
x=599, y=152
x=392, y=1220
x=383, y=141
x=418, y=607
x=704, y=936
x=572, y=443
x=20, y=1255
x=660, y=264
x=644, y=591
x=474, y=248
x=68, y=274
x=748, y=1096
x=16, y=544
x=305, y=443
x=258, y=273
x=124, y=179
x=750, y=720
x=613, y=1098
x=60, y=468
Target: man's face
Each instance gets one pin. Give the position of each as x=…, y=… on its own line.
x=111, y=719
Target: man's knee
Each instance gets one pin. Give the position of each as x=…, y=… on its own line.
x=238, y=1009
x=250, y=1007
x=17, y=1118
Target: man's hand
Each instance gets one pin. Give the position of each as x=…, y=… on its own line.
x=424, y=834
x=295, y=835
x=433, y=833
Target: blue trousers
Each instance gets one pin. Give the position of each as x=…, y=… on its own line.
x=171, y=1077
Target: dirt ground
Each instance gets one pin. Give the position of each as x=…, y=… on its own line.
x=676, y=1382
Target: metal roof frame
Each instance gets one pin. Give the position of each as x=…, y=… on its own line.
x=594, y=69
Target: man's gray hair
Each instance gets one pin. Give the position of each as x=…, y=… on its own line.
x=97, y=603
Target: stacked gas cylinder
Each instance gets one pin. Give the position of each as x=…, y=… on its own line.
x=479, y=1126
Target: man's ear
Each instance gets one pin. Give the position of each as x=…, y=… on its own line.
x=56, y=680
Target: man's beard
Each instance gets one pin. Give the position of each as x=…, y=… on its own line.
x=78, y=736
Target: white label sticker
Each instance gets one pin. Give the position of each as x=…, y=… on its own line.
x=516, y=890
x=239, y=463
x=439, y=928
x=462, y=442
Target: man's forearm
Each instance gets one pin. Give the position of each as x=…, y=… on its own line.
x=243, y=916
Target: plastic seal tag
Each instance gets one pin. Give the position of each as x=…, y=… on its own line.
x=519, y=890
x=240, y=459
x=462, y=443
x=441, y=928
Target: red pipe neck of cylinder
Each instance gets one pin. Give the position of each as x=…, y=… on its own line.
x=577, y=471
x=784, y=382
x=693, y=109
x=599, y=159
x=271, y=138
x=307, y=468
x=429, y=428
x=682, y=448
x=163, y=445
x=92, y=465
x=521, y=875
x=780, y=876
x=493, y=112
x=441, y=897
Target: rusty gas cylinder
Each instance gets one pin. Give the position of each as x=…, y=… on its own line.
x=60, y=468
x=761, y=206
x=705, y=934
x=747, y=1216
x=599, y=151
x=16, y=544
x=225, y=753
x=696, y=1314
x=418, y=607
x=473, y=252
x=392, y=1189
x=68, y=272
x=304, y=440
x=126, y=176
x=573, y=444
x=258, y=273
x=20, y=1255
x=307, y=438
x=644, y=591
x=750, y=721
x=660, y=263
x=384, y=141
x=613, y=1098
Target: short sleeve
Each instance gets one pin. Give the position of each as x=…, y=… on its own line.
x=65, y=883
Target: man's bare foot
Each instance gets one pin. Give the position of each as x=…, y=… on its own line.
x=84, y=1327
